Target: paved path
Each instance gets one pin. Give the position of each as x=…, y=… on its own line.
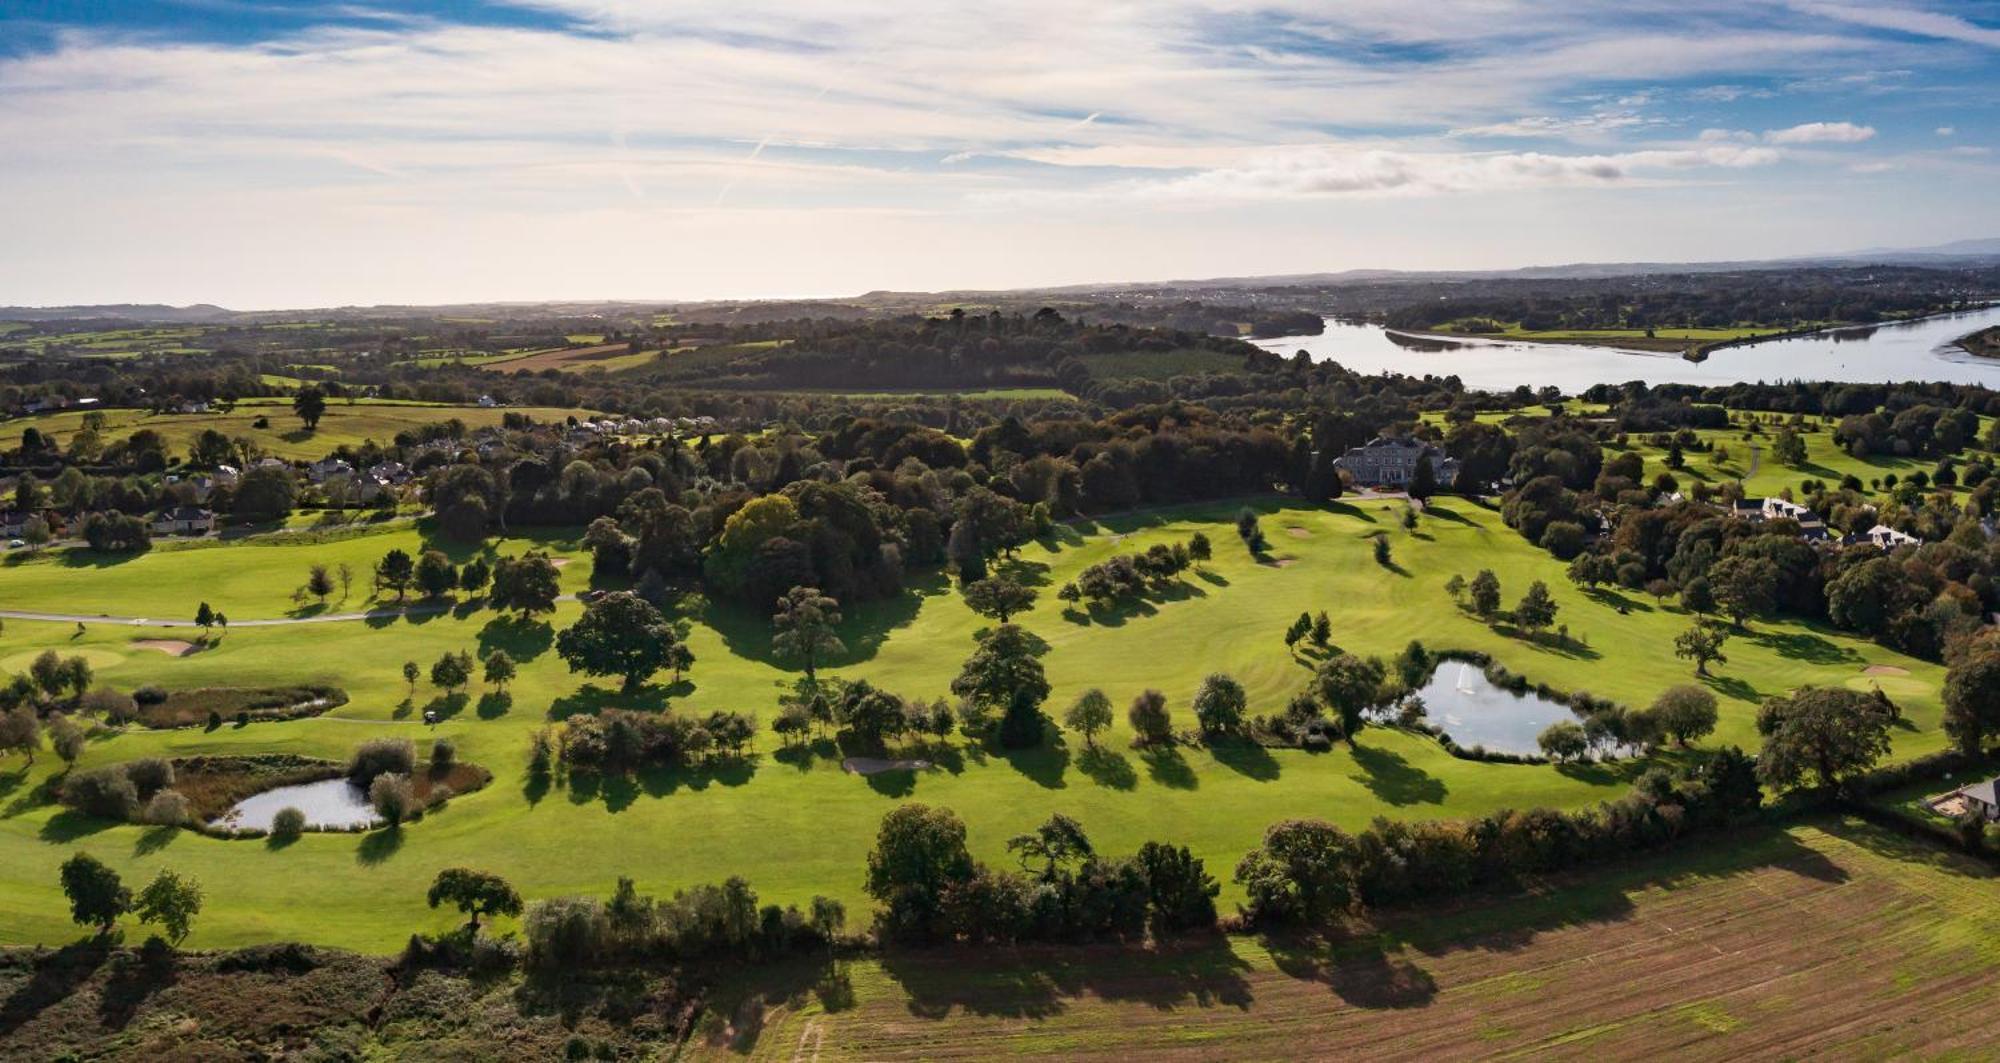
x=417, y=609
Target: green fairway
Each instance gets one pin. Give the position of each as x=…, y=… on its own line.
x=346, y=423
x=795, y=827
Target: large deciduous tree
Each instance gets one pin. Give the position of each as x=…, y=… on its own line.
x=474, y=893
x=1826, y=733
x=1004, y=673
x=619, y=634
x=804, y=624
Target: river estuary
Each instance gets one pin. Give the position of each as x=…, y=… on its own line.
x=1917, y=350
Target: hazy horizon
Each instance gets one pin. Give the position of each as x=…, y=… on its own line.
x=284, y=155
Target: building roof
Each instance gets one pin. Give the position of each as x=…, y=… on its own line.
x=1986, y=793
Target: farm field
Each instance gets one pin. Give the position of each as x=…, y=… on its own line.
x=609, y=357
x=813, y=824
x=1831, y=937
x=345, y=423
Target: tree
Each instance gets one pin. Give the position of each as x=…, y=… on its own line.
x=411, y=673
x=391, y=797
x=1828, y=732
x=394, y=572
x=265, y=493
x=1351, y=686
x=1485, y=591
x=66, y=738
x=1322, y=630
x=1058, y=841
x=204, y=618
x=20, y=732
x=1745, y=586
x=76, y=674
x=435, y=574
x=527, y=584
x=619, y=634
x=1181, y=891
x=1219, y=704
x=1563, y=740
x=1301, y=874
x=870, y=713
x=96, y=896
x=474, y=575
x=1199, y=547
x=804, y=622
x=48, y=673
x=346, y=574
x=1789, y=448
x=1148, y=717
x=172, y=902
x=919, y=854
x=499, y=669
x=1299, y=629
x=1090, y=714
x=1698, y=596
x=1004, y=673
x=1972, y=700
x=1537, y=608
x=319, y=582
x=451, y=671
x=999, y=597
x=1702, y=645
x=310, y=405
x=1382, y=551
x=1684, y=713
x=474, y=893
x=1455, y=586
x=1423, y=484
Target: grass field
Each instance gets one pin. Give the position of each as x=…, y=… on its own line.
x=1662, y=339
x=345, y=423
x=1159, y=365
x=1834, y=938
x=811, y=823
x=610, y=358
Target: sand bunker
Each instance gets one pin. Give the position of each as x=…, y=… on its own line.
x=1285, y=562
x=559, y=562
x=1298, y=533
x=876, y=765
x=1884, y=669
x=170, y=647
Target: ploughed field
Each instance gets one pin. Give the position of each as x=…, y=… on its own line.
x=1835, y=937
x=795, y=824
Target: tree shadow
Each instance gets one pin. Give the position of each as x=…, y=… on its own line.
x=1107, y=768
x=134, y=977
x=1245, y=757
x=69, y=825
x=1806, y=646
x=524, y=640
x=1043, y=765
x=1393, y=779
x=153, y=839
x=1036, y=982
x=591, y=698
x=895, y=782
x=379, y=845
x=1359, y=971
x=446, y=706
x=494, y=704
x=864, y=626
x=1166, y=766
x=1730, y=686
x=56, y=976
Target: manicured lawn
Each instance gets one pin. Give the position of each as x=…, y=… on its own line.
x=795, y=826
x=345, y=423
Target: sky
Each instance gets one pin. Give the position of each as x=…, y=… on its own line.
x=266, y=154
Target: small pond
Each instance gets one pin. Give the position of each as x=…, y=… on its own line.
x=1460, y=701
x=328, y=804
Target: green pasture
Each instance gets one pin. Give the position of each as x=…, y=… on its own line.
x=345, y=423
x=793, y=823
x=1159, y=365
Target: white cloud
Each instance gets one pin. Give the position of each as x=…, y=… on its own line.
x=1821, y=133
x=1907, y=20
x=1947, y=131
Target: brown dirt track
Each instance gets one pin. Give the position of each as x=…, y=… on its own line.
x=1838, y=939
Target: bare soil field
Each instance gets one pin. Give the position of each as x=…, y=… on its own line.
x=1833, y=939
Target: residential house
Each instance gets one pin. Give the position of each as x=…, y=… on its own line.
x=1980, y=797
x=329, y=469
x=184, y=520
x=1885, y=537
x=1392, y=462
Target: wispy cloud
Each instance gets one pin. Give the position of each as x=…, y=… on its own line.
x=1821, y=133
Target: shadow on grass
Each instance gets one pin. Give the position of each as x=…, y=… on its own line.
x=1165, y=765
x=1037, y=982
x=1107, y=768
x=1360, y=971
x=153, y=839
x=1245, y=757
x=524, y=640
x=56, y=976
x=1393, y=779
x=1806, y=646
x=494, y=704
x=379, y=845
x=69, y=825
x=864, y=626
x=1730, y=686
x=1043, y=765
x=591, y=698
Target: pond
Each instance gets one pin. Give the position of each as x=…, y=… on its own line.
x=1460, y=701
x=332, y=804
x=1913, y=350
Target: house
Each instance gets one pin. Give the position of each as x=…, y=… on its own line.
x=1885, y=537
x=487, y=402
x=1980, y=797
x=1812, y=526
x=329, y=469
x=13, y=522
x=184, y=520
x=1392, y=462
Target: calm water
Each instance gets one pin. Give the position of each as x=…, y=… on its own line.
x=328, y=803
x=1917, y=350
x=1461, y=702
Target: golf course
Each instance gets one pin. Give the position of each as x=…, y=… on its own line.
x=789, y=819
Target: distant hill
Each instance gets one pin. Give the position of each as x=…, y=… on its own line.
x=198, y=314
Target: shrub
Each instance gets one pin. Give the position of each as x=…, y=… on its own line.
x=112, y=705
x=167, y=809
x=379, y=756
x=564, y=932
x=392, y=797
x=149, y=695
x=443, y=756
x=106, y=792
x=288, y=824
x=150, y=776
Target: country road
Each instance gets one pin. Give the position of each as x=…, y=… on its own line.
x=418, y=609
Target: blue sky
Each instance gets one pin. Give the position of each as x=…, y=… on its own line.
x=274, y=153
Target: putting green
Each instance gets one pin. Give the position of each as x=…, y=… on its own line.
x=98, y=656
